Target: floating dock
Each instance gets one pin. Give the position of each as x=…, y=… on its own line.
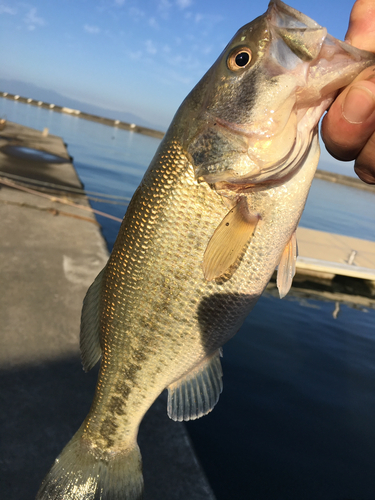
x=49, y=257
x=334, y=268
x=327, y=255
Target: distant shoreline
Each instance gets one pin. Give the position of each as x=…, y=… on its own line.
x=132, y=127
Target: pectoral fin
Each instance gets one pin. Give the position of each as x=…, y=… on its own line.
x=228, y=240
x=287, y=267
x=198, y=392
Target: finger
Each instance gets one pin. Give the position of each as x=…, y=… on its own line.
x=350, y=121
x=364, y=165
x=361, y=31
x=348, y=127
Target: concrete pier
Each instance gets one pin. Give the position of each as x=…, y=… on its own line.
x=49, y=256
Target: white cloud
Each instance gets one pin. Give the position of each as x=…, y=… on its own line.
x=32, y=20
x=206, y=49
x=164, y=4
x=137, y=54
x=150, y=47
x=136, y=13
x=5, y=9
x=164, y=7
x=93, y=30
x=171, y=76
x=119, y=2
x=183, y=4
x=153, y=23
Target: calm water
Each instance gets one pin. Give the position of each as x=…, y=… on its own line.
x=296, y=418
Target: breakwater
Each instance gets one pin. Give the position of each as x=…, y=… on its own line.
x=86, y=116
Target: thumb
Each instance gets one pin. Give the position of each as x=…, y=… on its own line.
x=361, y=31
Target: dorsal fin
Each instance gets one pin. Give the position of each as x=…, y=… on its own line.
x=90, y=325
x=228, y=240
x=195, y=394
x=287, y=267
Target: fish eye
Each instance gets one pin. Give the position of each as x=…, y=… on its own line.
x=239, y=58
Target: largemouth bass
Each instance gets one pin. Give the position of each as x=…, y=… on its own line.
x=214, y=215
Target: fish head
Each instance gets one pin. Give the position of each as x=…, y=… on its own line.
x=251, y=118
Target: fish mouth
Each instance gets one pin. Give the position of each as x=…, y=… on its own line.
x=284, y=17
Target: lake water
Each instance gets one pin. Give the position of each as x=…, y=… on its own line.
x=296, y=417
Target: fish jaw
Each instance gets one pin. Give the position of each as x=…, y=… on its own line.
x=253, y=125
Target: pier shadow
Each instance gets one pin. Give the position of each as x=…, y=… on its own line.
x=39, y=166
x=41, y=407
x=31, y=154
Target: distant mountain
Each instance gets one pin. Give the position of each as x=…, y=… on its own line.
x=25, y=89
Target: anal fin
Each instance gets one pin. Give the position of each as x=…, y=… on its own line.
x=229, y=240
x=287, y=267
x=198, y=392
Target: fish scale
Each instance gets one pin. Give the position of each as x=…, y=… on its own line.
x=144, y=330
x=214, y=215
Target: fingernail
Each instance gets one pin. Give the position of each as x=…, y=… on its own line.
x=359, y=104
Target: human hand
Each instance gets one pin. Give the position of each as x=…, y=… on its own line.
x=348, y=129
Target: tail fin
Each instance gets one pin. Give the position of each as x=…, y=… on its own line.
x=78, y=474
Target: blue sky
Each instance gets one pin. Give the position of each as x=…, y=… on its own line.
x=132, y=55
